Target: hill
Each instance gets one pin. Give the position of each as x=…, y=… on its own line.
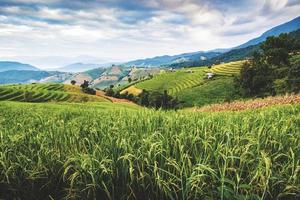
x=26, y=76
x=190, y=85
x=283, y=28
x=9, y=65
x=168, y=60
x=114, y=75
x=46, y=93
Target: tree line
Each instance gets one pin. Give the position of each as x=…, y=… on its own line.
x=271, y=70
x=146, y=98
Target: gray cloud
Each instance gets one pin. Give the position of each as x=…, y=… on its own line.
x=130, y=29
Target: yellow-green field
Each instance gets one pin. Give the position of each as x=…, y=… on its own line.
x=174, y=81
x=227, y=69
x=46, y=93
x=109, y=151
x=191, y=86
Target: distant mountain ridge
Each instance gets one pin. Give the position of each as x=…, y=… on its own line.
x=283, y=28
x=10, y=65
x=78, y=67
x=24, y=76
x=82, y=67
x=208, y=57
x=166, y=59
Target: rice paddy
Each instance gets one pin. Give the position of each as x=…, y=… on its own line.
x=108, y=151
x=45, y=93
x=174, y=81
x=227, y=69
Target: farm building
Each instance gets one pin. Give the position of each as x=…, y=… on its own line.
x=209, y=75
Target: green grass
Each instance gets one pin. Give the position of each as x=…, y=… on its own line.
x=217, y=90
x=107, y=151
x=45, y=93
x=173, y=82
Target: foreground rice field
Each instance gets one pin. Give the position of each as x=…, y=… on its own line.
x=107, y=151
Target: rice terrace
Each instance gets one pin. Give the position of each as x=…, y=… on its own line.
x=150, y=100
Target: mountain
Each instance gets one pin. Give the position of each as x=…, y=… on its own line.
x=82, y=67
x=78, y=67
x=24, y=76
x=8, y=65
x=167, y=60
x=232, y=55
x=283, y=28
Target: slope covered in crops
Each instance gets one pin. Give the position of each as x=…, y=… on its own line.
x=45, y=93
x=227, y=69
x=99, y=151
x=217, y=90
x=177, y=81
x=173, y=81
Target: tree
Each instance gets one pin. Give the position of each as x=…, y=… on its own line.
x=73, y=82
x=129, y=80
x=109, y=92
x=86, y=89
x=144, y=98
x=85, y=84
x=270, y=71
x=294, y=78
x=165, y=99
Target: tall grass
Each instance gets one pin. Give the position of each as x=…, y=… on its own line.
x=50, y=151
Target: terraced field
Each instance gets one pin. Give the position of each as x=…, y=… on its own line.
x=218, y=90
x=45, y=93
x=132, y=90
x=227, y=69
x=175, y=81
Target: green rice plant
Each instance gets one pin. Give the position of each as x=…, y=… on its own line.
x=114, y=151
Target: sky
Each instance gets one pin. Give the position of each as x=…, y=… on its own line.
x=54, y=33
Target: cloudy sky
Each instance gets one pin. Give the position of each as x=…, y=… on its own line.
x=50, y=33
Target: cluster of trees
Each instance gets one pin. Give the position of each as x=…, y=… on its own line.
x=148, y=99
x=86, y=89
x=270, y=71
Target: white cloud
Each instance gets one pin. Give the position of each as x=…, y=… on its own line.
x=119, y=33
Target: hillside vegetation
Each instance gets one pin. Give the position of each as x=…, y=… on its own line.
x=250, y=103
x=46, y=93
x=227, y=69
x=94, y=151
x=218, y=90
x=190, y=85
x=181, y=79
x=173, y=81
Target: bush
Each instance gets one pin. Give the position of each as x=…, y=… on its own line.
x=89, y=91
